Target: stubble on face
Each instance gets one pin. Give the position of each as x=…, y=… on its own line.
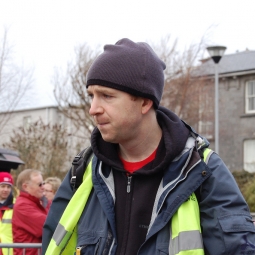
x=116, y=113
x=123, y=122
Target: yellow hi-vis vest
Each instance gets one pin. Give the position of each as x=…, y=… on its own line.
x=6, y=231
x=64, y=238
x=185, y=230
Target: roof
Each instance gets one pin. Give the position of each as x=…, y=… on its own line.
x=240, y=62
x=9, y=160
x=31, y=109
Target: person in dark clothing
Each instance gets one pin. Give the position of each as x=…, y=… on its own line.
x=152, y=186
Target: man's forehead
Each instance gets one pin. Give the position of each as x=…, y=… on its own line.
x=35, y=176
x=100, y=88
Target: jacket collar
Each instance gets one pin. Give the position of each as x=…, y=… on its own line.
x=175, y=135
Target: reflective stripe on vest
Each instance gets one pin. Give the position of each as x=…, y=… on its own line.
x=185, y=230
x=6, y=231
x=65, y=235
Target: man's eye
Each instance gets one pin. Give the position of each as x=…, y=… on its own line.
x=107, y=96
x=90, y=97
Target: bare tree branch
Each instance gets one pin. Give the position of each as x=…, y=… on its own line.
x=43, y=147
x=70, y=89
x=15, y=82
x=183, y=91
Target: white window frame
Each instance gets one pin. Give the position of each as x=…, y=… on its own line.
x=206, y=126
x=206, y=129
x=250, y=96
x=61, y=120
x=26, y=122
x=249, y=155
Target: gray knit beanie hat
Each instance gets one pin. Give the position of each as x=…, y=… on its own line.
x=130, y=67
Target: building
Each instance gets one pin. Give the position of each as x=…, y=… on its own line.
x=25, y=117
x=236, y=108
x=77, y=139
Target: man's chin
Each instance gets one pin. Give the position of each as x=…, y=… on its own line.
x=108, y=139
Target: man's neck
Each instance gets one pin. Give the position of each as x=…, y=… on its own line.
x=143, y=146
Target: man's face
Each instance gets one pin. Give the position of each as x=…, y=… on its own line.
x=117, y=114
x=5, y=190
x=34, y=186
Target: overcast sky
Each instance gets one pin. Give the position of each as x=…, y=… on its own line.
x=44, y=33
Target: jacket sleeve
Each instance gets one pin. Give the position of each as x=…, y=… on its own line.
x=59, y=203
x=226, y=222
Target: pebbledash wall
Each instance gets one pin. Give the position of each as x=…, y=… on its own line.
x=236, y=108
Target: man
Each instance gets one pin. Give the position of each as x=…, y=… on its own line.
x=153, y=186
x=6, y=211
x=30, y=210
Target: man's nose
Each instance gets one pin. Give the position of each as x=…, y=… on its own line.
x=95, y=107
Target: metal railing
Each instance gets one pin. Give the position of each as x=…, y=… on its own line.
x=22, y=246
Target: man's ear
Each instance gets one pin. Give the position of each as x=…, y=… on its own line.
x=147, y=104
x=24, y=186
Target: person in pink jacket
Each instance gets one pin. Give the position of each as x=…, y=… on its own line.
x=30, y=210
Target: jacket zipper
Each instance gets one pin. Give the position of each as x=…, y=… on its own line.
x=178, y=181
x=128, y=203
x=78, y=249
x=129, y=183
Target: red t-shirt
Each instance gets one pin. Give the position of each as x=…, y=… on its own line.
x=134, y=166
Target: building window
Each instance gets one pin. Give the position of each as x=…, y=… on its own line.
x=250, y=97
x=206, y=129
x=26, y=122
x=249, y=155
x=206, y=111
x=61, y=120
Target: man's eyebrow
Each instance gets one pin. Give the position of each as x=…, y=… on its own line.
x=106, y=90
x=101, y=90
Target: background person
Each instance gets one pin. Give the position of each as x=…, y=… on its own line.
x=6, y=211
x=30, y=210
x=51, y=185
x=155, y=187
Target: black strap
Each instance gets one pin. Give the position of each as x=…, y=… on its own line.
x=79, y=165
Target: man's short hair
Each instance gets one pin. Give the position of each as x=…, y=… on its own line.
x=25, y=176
